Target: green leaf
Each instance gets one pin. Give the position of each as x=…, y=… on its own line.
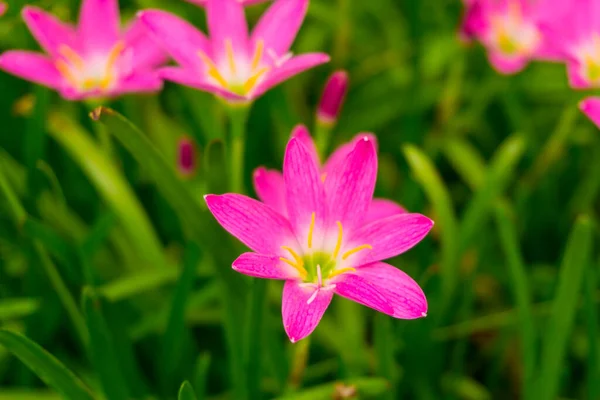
x=593, y=365
x=558, y=331
x=101, y=350
x=216, y=167
x=112, y=186
x=18, y=308
x=186, y=392
x=45, y=366
x=466, y=161
x=26, y=394
x=363, y=387
x=201, y=374
x=134, y=285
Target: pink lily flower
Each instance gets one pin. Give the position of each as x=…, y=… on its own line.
x=510, y=30
x=333, y=97
x=591, y=108
x=244, y=2
x=93, y=59
x=233, y=64
x=270, y=188
x=324, y=245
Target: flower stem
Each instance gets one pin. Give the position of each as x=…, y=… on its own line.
x=238, y=116
x=254, y=329
x=322, y=135
x=299, y=363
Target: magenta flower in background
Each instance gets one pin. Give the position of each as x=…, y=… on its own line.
x=186, y=157
x=93, y=59
x=333, y=98
x=591, y=108
x=511, y=30
x=324, y=244
x=244, y=2
x=3, y=8
x=231, y=63
x=270, y=188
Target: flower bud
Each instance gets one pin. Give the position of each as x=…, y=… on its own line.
x=591, y=108
x=186, y=156
x=333, y=98
x=3, y=7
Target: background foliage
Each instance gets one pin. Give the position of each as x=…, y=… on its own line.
x=110, y=262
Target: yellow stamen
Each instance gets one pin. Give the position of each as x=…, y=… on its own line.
x=71, y=56
x=251, y=82
x=113, y=56
x=311, y=230
x=294, y=254
x=356, y=250
x=258, y=54
x=323, y=177
x=212, y=70
x=338, y=244
x=341, y=271
x=299, y=268
x=66, y=72
x=230, y=55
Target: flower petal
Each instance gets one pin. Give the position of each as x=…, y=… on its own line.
x=252, y=222
x=358, y=289
x=99, y=25
x=140, y=82
x=576, y=79
x=290, y=68
x=389, y=237
x=145, y=52
x=186, y=77
x=31, y=66
x=177, y=37
x=299, y=317
x=263, y=266
x=591, y=108
x=401, y=291
x=383, y=208
x=301, y=133
x=350, y=186
x=270, y=188
x=340, y=154
x=227, y=23
x=48, y=30
x=304, y=191
x=279, y=25
x=507, y=65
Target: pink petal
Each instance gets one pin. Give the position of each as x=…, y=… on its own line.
x=187, y=77
x=304, y=190
x=299, y=317
x=360, y=290
x=279, y=25
x=227, y=22
x=290, y=68
x=145, y=52
x=3, y=8
x=270, y=189
x=50, y=32
x=400, y=291
x=262, y=266
x=591, y=108
x=252, y=222
x=244, y=2
x=99, y=25
x=350, y=186
x=31, y=66
x=576, y=79
x=389, y=237
x=140, y=83
x=301, y=133
x=177, y=37
x=340, y=154
x=507, y=65
x=382, y=208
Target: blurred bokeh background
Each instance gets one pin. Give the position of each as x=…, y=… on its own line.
x=507, y=166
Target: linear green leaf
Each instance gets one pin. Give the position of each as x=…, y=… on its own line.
x=201, y=374
x=45, y=366
x=364, y=387
x=593, y=366
x=186, y=392
x=18, y=308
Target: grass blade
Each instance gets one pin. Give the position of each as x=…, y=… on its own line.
x=201, y=375
x=593, y=367
x=186, y=392
x=18, y=308
x=358, y=388
x=45, y=366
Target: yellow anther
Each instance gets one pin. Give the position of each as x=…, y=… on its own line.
x=323, y=177
x=113, y=56
x=311, y=230
x=71, y=56
x=338, y=244
x=251, y=82
x=341, y=271
x=356, y=250
x=212, y=70
x=66, y=72
x=230, y=55
x=258, y=54
x=294, y=254
x=299, y=268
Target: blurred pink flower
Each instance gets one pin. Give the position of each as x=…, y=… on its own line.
x=270, y=189
x=511, y=30
x=244, y=2
x=333, y=98
x=3, y=8
x=186, y=156
x=94, y=59
x=231, y=63
x=324, y=244
x=591, y=108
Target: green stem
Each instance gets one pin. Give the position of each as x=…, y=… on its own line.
x=299, y=363
x=254, y=327
x=322, y=135
x=238, y=116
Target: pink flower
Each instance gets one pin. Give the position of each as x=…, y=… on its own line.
x=233, y=64
x=186, y=157
x=333, y=98
x=576, y=36
x=94, y=59
x=324, y=244
x=511, y=31
x=244, y=2
x=270, y=189
x=3, y=8
x=591, y=108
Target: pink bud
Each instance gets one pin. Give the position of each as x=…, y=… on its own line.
x=186, y=156
x=3, y=7
x=333, y=97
